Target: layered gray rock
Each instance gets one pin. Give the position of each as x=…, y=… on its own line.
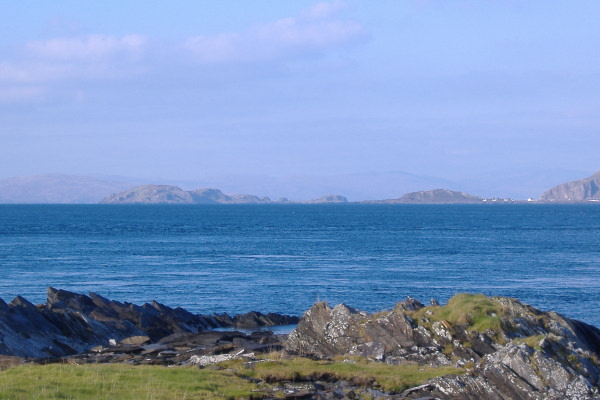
x=509, y=349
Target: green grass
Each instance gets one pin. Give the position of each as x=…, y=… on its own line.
x=531, y=341
x=117, y=381
x=358, y=371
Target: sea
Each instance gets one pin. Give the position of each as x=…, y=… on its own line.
x=285, y=257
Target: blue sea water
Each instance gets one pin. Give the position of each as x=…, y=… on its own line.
x=283, y=258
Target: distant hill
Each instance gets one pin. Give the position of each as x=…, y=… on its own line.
x=57, y=189
x=436, y=196
x=168, y=194
x=587, y=189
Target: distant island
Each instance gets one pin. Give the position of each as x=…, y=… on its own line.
x=436, y=196
x=168, y=194
x=72, y=189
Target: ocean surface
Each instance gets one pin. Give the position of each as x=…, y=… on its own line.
x=283, y=258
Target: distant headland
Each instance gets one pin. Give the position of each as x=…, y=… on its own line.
x=582, y=190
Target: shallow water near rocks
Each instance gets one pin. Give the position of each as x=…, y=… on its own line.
x=283, y=258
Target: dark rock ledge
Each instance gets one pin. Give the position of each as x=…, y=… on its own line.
x=507, y=349
x=71, y=323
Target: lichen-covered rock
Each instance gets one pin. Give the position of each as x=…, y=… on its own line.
x=514, y=372
x=391, y=336
x=514, y=350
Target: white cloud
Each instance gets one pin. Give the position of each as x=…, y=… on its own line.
x=315, y=30
x=94, y=56
x=9, y=73
x=17, y=94
x=324, y=9
x=88, y=48
x=28, y=72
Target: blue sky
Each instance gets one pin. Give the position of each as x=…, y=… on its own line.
x=191, y=90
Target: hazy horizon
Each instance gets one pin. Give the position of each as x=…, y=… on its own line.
x=207, y=92
x=514, y=184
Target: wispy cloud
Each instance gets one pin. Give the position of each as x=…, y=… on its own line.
x=42, y=68
x=315, y=30
x=43, y=63
x=324, y=9
x=18, y=94
x=88, y=48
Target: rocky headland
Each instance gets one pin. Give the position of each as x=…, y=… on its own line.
x=587, y=189
x=496, y=348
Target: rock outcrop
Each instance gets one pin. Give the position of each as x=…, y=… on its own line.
x=587, y=189
x=511, y=350
x=71, y=323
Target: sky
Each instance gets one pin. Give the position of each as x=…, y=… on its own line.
x=187, y=90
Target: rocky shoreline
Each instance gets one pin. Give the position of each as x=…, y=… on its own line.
x=501, y=348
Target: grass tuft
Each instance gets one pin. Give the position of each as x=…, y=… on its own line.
x=475, y=312
x=532, y=341
x=358, y=371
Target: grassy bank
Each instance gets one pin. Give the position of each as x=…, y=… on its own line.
x=356, y=370
x=116, y=381
x=229, y=381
